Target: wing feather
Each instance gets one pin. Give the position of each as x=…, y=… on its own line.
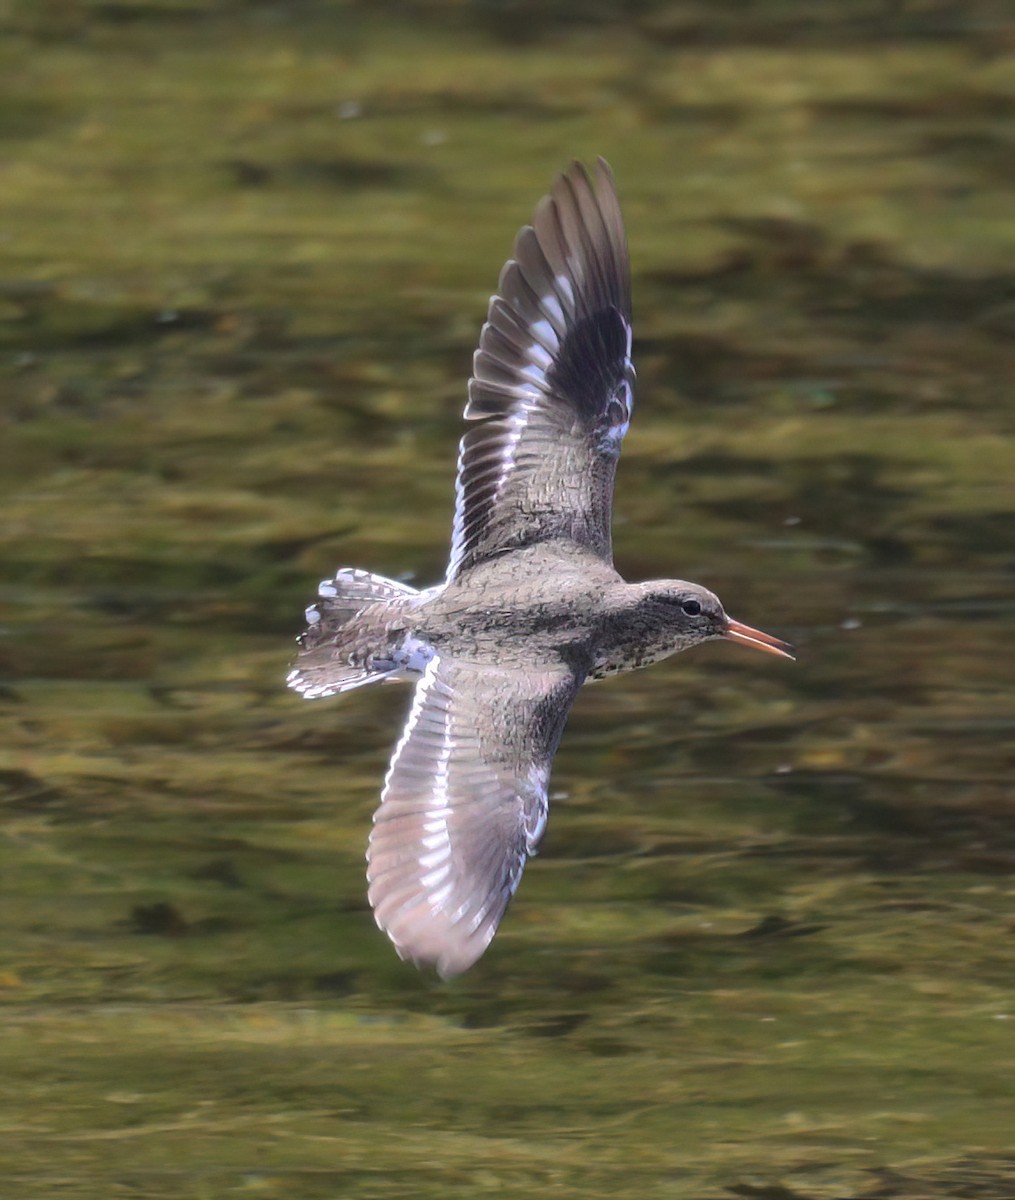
x=553, y=382
x=463, y=807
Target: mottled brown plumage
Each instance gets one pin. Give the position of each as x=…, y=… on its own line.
x=531, y=607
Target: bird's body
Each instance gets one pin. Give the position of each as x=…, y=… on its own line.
x=532, y=606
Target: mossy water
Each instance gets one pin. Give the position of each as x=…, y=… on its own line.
x=766, y=949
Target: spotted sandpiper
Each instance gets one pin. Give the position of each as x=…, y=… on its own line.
x=531, y=607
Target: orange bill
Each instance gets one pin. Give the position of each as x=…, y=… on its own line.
x=736, y=631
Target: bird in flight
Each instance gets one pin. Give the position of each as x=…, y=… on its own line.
x=531, y=607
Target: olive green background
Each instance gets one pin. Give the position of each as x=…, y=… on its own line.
x=245, y=252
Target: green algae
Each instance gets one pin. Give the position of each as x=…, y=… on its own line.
x=766, y=950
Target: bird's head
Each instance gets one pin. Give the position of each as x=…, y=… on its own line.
x=690, y=614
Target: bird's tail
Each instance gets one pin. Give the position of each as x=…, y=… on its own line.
x=356, y=634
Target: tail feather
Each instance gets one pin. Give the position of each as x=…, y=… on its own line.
x=353, y=589
x=338, y=651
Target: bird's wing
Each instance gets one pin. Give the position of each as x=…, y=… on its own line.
x=464, y=805
x=553, y=383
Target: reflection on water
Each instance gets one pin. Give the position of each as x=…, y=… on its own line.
x=765, y=951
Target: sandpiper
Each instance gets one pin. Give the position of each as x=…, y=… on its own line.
x=531, y=607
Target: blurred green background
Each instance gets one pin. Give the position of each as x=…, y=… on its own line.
x=245, y=252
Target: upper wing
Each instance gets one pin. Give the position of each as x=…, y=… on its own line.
x=554, y=380
x=464, y=805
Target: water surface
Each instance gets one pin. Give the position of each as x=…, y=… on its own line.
x=766, y=950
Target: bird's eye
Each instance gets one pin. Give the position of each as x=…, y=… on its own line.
x=692, y=608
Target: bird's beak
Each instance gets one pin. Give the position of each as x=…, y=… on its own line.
x=746, y=636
